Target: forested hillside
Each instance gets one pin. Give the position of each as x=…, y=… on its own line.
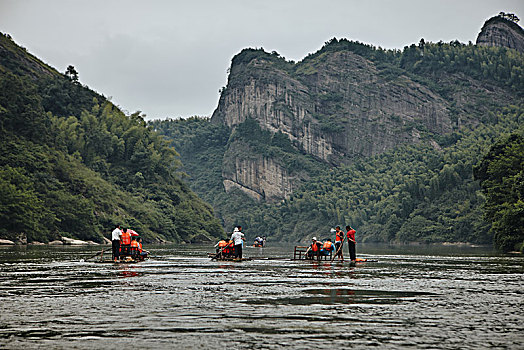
x=73, y=164
x=421, y=192
x=501, y=175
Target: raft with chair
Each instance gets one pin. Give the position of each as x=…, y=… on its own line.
x=300, y=253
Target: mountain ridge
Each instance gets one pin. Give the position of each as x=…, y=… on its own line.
x=503, y=32
x=332, y=113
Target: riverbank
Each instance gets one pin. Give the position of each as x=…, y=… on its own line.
x=62, y=241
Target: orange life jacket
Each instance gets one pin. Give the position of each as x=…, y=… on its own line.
x=222, y=244
x=338, y=236
x=327, y=245
x=134, y=247
x=314, y=247
x=126, y=238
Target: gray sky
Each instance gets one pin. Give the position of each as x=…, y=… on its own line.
x=169, y=58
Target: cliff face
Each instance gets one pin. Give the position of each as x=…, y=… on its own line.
x=344, y=102
x=501, y=32
x=335, y=108
x=16, y=59
x=259, y=177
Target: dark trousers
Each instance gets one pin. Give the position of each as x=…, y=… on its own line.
x=238, y=250
x=125, y=249
x=311, y=254
x=338, y=248
x=116, y=248
x=352, y=251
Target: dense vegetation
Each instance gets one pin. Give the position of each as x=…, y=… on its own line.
x=72, y=164
x=501, y=175
x=424, y=192
x=495, y=65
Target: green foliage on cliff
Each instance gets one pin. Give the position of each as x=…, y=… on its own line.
x=72, y=164
x=275, y=146
x=413, y=193
x=501, y=175
x=496, y=65
x=447, y=69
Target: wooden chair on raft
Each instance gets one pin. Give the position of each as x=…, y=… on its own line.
x=300, y=253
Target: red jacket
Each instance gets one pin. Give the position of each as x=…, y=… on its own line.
x=351, y=235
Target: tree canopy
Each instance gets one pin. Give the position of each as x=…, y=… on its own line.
x=73, y=164
x=501, y=176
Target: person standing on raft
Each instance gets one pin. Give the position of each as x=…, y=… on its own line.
x=339, y=240
x=351, y=243
x=237, y=237
x=115, y=241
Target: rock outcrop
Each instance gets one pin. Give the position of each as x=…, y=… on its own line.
x=259, y=177
x=501, y=32
x=334, y=108
x=71, y=241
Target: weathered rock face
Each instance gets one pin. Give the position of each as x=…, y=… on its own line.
x=340, y=108
x=334, y=108
x=498, y=31
x=259, y=177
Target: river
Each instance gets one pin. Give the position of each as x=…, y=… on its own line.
x=422, y=297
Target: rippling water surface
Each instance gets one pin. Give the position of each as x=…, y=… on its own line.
x=437, y=297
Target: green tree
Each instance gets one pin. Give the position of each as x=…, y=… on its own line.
x=501, y=175
x=72, y=74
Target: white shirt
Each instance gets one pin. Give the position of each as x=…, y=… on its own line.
x=237, y=237
x=115, y=235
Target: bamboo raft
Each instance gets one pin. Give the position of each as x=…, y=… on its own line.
x=219, y=257
x=298, y=254
x=100, y=259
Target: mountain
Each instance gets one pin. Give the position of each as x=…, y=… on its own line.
x=502, y=31
x=74, y=165
x=382, y=139
x=346, y=101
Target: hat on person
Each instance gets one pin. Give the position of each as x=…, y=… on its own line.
x=314, y=239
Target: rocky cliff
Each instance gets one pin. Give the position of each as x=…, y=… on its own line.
x=334, y=107
x=260, y=177
x=503, y=32
x=351, y=100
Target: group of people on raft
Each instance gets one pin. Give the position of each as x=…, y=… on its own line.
x=318, y=248
x=127, y=244
x=231, y=248
x=259, y=241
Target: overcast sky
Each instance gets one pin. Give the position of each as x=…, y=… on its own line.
x=169, y=58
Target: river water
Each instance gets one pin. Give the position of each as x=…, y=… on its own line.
x=411, y=297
